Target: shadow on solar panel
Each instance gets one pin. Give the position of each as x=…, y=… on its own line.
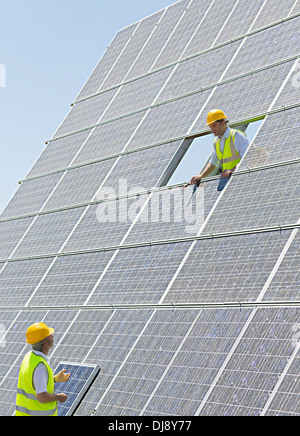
x=82, y=377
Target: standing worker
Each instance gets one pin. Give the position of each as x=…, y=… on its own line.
x=230, y=146
x=35, y=394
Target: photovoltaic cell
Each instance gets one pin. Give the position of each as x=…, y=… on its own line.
x=159, y=124
x=103, y=225
x=208, y=25
x=174, y=213
x=196, y=364
x=291, y=91
x=119, y=330
x=146, y=363
x=241, y=14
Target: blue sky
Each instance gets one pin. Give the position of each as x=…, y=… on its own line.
x=49, y=49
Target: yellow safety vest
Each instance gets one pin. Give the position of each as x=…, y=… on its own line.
x=230, y=157
x=26, y=403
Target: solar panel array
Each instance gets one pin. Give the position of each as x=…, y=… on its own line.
x=187, y=309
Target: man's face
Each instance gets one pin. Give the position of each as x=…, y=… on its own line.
x=50, y=341
x=218, y=128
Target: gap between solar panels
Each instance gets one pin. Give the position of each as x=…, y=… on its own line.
x=81, y=380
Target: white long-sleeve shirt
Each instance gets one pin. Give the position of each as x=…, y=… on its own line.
x=241, y=144
x=40, y=375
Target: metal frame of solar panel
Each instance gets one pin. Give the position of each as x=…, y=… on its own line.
x=184, y=316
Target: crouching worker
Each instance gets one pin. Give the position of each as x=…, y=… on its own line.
x=35, y=393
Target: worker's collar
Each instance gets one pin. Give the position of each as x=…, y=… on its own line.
x=226, y=134
x=39, y=353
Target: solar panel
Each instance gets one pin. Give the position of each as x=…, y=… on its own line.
x=82, y=377
x=30, y=197
x=132, y=50
x=265, y=148
x=58, y=154
x=11, y=233
x=107, y=62
x=188, y=304
x=257, y=210
x=85, y=113
x=108, y=139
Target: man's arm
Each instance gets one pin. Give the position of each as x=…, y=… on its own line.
x=208, y=170
x=45, y=397
x=40, y=380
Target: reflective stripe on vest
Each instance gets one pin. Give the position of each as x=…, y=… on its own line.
x=230, y=157
x=27, y=403
x=22, y=411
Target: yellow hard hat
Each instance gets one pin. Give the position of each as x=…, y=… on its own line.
x=37, y=332
x=215, y=115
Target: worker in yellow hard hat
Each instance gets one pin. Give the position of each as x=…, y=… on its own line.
x=229, y=146
x=35, y=393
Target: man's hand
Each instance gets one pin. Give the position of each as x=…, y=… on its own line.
x=194, y=180
x=208, y=170
x=62, y=377
x=62, y=397
x=226, y=173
